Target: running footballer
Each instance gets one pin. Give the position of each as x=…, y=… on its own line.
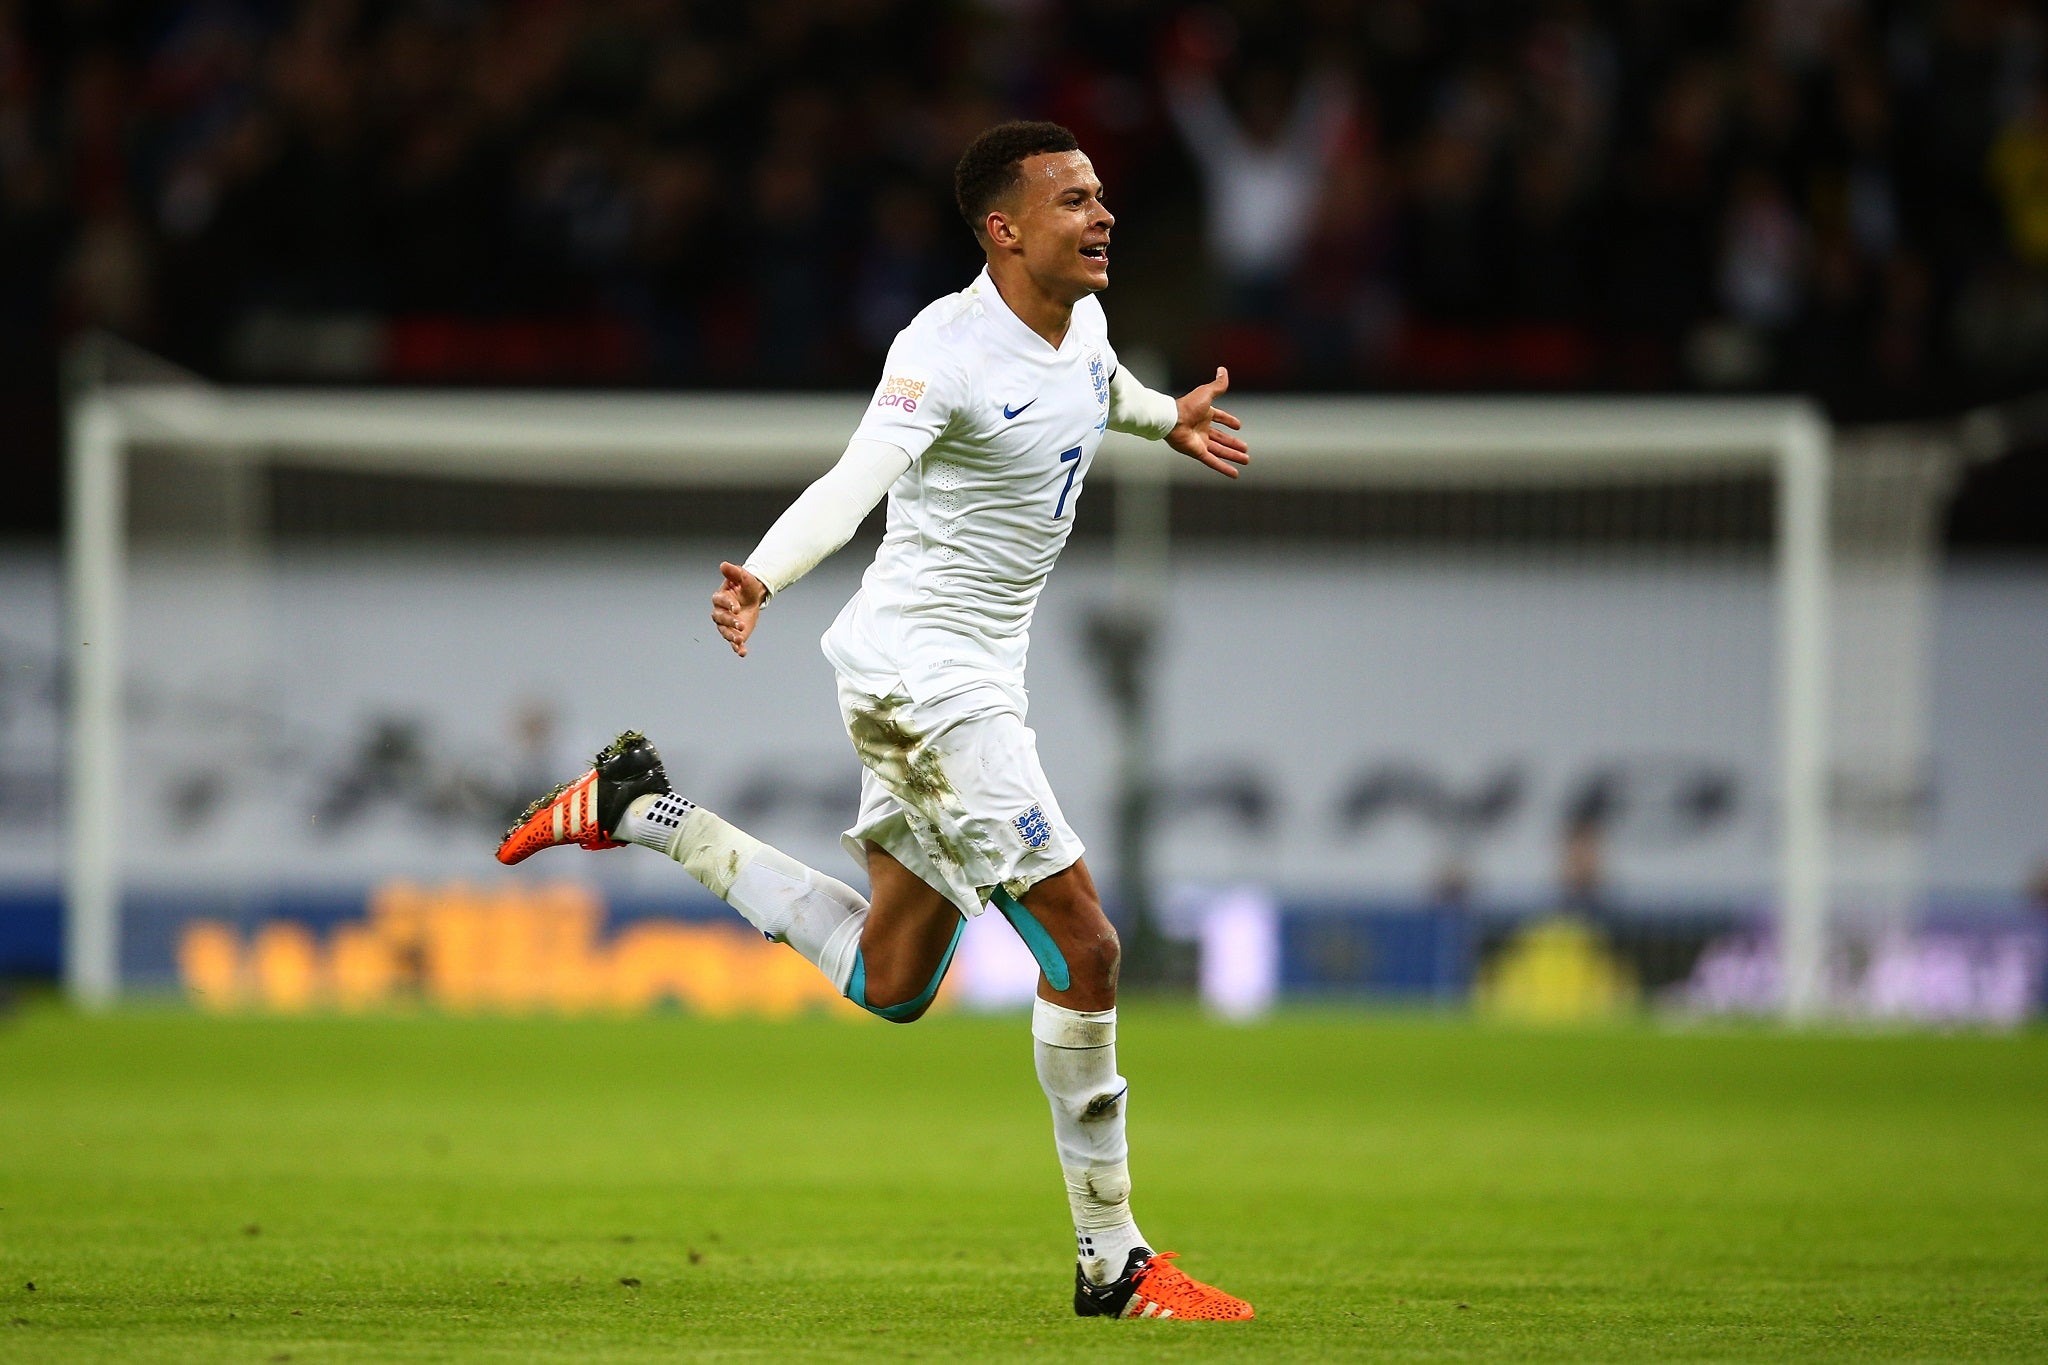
x=981, y=434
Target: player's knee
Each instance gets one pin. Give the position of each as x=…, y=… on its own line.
x=907, y=1012
x=1095, y=961
x=1094, y=953
x=895, y=997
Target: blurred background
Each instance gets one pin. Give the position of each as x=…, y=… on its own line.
x=1500, y=741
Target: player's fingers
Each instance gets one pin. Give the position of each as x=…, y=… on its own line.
x=1219, y=415
x=1222, y=381
x=1220, y=465
x=741, y=587
x=1223, y=440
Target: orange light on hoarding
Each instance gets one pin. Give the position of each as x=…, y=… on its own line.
x=498, y=948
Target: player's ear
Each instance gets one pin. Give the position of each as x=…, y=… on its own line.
x=999, y=230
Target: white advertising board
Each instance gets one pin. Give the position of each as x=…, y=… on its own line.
x=1329, y=725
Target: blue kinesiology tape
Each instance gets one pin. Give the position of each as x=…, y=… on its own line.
x=857, y=986
x=1050, y=960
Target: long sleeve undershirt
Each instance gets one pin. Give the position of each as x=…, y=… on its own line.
x=825, y=515
x=1140, y=411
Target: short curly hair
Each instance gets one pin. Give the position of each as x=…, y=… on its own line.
x=988, y=168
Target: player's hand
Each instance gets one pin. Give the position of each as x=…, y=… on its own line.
x=1206, y=432
x=736, y=607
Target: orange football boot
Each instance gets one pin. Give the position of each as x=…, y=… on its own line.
x=587, y=811
x=1152, y=1287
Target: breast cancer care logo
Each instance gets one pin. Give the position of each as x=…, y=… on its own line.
x=898, y=392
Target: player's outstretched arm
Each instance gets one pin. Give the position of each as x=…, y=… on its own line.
x=1206, y=432
x=736, y=607
x=821, y=520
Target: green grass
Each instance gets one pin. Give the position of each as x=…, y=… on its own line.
x=186, y=1188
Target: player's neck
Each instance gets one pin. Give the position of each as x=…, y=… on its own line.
x=1046, y=314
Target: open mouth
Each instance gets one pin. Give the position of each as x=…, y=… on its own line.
x=1097, y=253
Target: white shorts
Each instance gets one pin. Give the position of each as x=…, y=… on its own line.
x=954, y=791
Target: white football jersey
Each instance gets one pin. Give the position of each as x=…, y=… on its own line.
x=1001, y=429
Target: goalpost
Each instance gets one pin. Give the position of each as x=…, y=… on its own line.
x=1310, y=445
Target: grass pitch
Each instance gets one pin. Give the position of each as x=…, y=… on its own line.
x=187, y=1188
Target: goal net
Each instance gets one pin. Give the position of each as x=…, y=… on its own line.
x=1526, y=699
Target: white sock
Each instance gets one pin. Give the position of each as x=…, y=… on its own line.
x=819, y=916
x=1076, y=1056
x=651, y=820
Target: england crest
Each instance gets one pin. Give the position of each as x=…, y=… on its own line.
x=1034, y=828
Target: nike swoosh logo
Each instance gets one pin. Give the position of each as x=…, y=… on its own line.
x=1008, y=414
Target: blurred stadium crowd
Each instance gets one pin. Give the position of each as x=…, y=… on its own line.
x=1834, y=195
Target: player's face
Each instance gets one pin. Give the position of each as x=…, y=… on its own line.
x=1061, y=225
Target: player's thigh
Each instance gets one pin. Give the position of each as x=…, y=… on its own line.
x=956, y=792
x=911, y=926
x=1068, y=907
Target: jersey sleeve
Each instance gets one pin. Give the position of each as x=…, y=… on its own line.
x=922, y=387
x=1138, y=410
x=827, y=513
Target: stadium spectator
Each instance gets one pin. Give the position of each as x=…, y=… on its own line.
x=1846, y=195
x=1262, y=167
x=2019, y=172
x=1763, y=260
